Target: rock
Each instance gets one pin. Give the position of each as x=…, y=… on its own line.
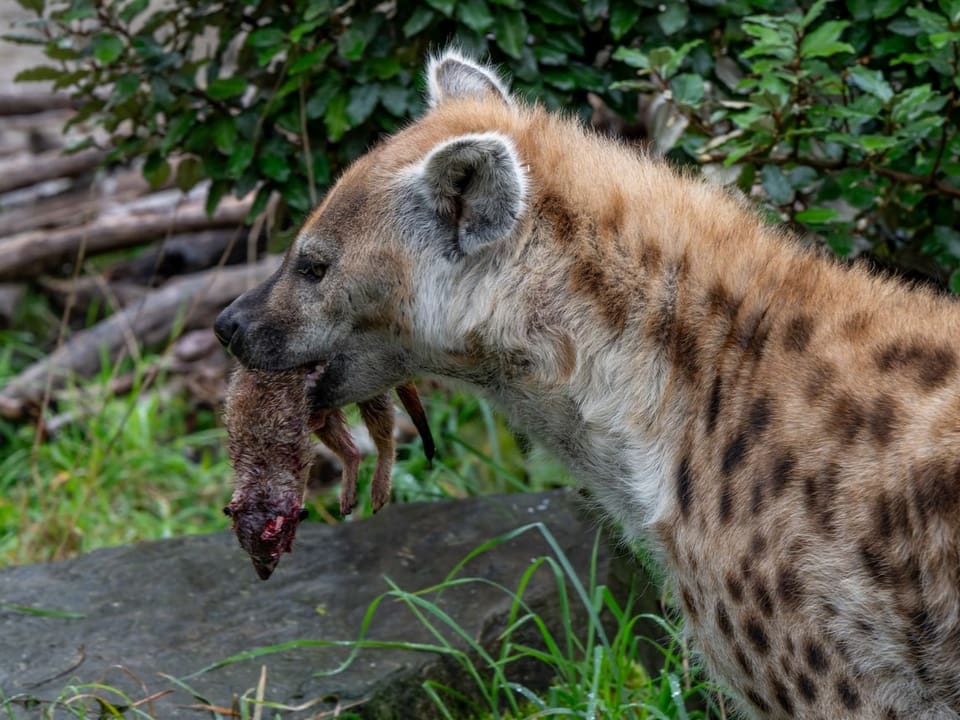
x=174, y=607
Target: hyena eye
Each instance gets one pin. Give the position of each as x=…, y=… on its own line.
x=315, y=270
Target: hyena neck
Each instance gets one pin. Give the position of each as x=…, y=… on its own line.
x=611, y=353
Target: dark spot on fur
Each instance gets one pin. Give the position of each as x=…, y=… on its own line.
x=877, y=567
x=819, y=379
x=720, y=302
x=734, y=454
x=741, y=657
x=651, y=257
x=847, y=416
x=713, y=404
x=757, y=635
x=758, y=544
x=686, y=351
x=689, y=603
x=762, y=595
x=848, y=694
x=723, y=620
x=555, y=211
x=588, y=276
x=684, y=487
x=820, y=494
x=757, y=701
x=798, y=332
x=882, y=419
x=806, y=688
x=760, y=413
x=783, y=471
x=734, y=587
x=789, y=587
x=725, y=510
x=756, y=496
x=782, y=694
x=931, y=366
x=816, y=657
x=936, y=489
x=753, y=334
x=856, y=326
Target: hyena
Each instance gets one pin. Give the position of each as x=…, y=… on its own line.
x=783, y=431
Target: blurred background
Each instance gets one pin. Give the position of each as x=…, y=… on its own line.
x=157, y=157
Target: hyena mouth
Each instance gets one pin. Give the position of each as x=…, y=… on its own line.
x=324, y=377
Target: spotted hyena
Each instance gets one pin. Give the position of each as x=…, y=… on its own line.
x=784, y=431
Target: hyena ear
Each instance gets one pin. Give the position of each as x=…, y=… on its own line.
x=469, y=192
x=451, y=76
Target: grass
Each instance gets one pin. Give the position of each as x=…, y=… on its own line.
x=146, y=465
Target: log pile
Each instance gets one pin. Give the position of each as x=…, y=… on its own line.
x=149, y=264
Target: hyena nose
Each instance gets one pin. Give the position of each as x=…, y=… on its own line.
x=226, y=327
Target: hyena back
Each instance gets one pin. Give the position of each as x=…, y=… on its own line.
x=784, y=432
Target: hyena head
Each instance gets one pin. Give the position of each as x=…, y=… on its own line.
x=379, y=283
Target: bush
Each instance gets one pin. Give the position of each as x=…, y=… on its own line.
x=842, y=116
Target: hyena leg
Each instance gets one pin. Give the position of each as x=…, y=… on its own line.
x=411, y=403
x=378, y=416
x=331, y=427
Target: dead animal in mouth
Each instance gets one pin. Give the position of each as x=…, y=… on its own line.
x=269, y=422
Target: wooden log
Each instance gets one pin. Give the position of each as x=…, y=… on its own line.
x=48, y=166
x=184, y=304
x=73, y=207
x=11, y=295
x=28, y=254
x=30, y=103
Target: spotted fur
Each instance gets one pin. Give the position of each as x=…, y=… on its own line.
x=783, y=431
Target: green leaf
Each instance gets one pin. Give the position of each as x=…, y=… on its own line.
x=687, y=88
x=156, y=169
x=311, y=60
x=444, y=6
x=225, y=134
x=38, y=74
x=825, y=40
x=275, y=166
x=511, y=32
x=225, y=88
x=475, y=15
x=35, y=6
x=240, y=158
x=218, y=188
x=871, y=81
x=335, y=117
x=674, y=17
x=395, y=99
x=955, y=282
x=363, y=99
x=107, y=47
x=948, y=240
x=813, y=13
x=125, y=88
x=189, y=173
x=352, y=43
x=816, y=215
x=176, y=130
x=558, y=12
x=418, y=21
x=776, y=185
x=266, y=38
x=623, y=16
x=633, y=58
x=951, y=8
x=132, y=9
x=874, y=143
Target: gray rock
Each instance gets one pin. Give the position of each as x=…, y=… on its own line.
x=174, y=607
